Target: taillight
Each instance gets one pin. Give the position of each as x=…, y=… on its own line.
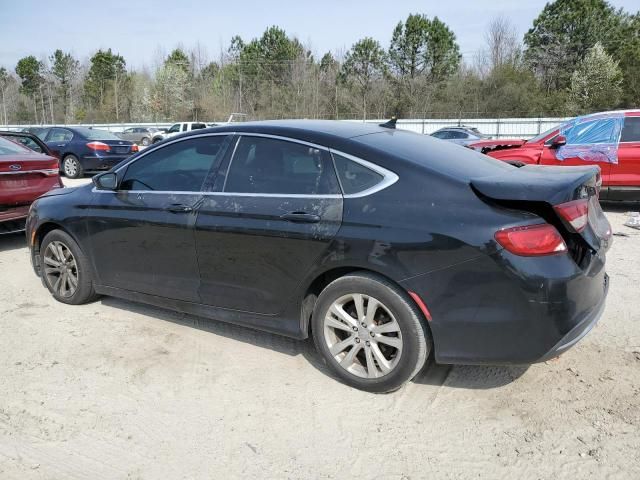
x=134, y=148
x=575, y=213
x=531, y=240
x=99, y=146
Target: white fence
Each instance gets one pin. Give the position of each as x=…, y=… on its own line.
x=494, y=127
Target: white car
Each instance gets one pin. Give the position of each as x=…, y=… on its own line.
x=176, y=129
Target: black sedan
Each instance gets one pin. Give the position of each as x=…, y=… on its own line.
x=383, y=245
x=83, y=150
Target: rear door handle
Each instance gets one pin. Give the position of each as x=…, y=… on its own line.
x=180, y=208
x=301, y=217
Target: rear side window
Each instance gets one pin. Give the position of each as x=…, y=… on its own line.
x=268, y=166
x=178, y=167
x=198, y=126
x=354, y=177
x=631, y=130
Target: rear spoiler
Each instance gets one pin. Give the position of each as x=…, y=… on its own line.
x=539, y=183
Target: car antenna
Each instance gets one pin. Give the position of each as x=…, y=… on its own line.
x=390, y=124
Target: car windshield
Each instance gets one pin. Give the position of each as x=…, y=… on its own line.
x=94, y=134
x=8, y=147
x=543, y=135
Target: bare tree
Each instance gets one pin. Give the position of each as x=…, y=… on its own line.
x=503, y=47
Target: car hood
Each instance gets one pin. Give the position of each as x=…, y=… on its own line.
x=60, y=191
x=500, y=142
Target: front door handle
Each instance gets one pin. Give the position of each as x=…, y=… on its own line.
x=301, y=217
x=180, y=208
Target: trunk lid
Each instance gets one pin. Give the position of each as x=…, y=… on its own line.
x=23, y=178
x=537, y=189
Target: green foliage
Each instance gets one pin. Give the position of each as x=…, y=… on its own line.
x=596, y=84
x=179, y=59
x=29, y=69
x=562, y=35
x=106, y=68
x=627, y=51
x=64, y=68
x=363, y=64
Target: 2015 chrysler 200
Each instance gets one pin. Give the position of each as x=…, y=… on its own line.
x=383, y=245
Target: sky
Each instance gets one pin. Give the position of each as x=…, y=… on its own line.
x=142, y=30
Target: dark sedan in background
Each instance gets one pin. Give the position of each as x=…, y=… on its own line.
x=83, y=150
x=384, y=245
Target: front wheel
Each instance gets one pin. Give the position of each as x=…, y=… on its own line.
x=71, y=167
x=370, y=333
x=65, y=269
x=145, y=141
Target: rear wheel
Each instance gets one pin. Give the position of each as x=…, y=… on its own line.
x=71, y=167
x=145, y=141
x=370, y=333
x=65, y=269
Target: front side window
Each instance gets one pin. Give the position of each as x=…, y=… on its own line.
x=174, y=128
x=179, y=167
x=268, y=166
x=631, y=130
x=597, y=131
x=354, y=177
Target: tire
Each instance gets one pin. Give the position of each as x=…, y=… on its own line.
x=71, y=167
x=145, y=141
x=366, y=369
x=58, y=245
x=156, y=140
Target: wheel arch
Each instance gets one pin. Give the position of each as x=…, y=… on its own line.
x=39, y=234
x=324, y=278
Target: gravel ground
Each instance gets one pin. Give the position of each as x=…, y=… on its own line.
x=117, y=390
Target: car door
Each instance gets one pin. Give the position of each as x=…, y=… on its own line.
x=57, y=140
x=589, y=142
x=142, y=233
x=624, y=180
x=273, y=213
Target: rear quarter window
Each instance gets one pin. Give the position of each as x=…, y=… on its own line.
x=354, y=177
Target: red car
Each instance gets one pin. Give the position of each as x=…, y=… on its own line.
x=610, y=140
x=24, y=175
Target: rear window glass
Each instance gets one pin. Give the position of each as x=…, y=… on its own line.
x=445, y=157
x=7, y=147
x=631, y=130
x=355, y=178
x=95, y=134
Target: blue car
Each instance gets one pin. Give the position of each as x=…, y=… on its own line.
x=83, y=150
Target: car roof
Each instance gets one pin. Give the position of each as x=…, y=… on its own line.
x=304, y=128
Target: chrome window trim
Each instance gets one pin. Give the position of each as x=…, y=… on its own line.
x=47, y=171
x=389, y=177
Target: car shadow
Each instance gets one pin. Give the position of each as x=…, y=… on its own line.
x=620, y=207
x=12, y=241
x=454, y=376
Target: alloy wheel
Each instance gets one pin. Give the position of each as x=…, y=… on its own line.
x=60, y=269
x=363, y=336
x=70, y=167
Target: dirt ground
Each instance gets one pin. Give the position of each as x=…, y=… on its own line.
x=117, y=390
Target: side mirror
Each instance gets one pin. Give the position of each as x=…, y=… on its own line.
x=559, y=141
x=106, y=181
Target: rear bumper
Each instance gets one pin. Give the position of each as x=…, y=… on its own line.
x=578, y=332
x=95, y=163
x=503, y=309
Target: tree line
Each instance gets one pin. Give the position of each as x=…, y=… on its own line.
x=578, y=56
